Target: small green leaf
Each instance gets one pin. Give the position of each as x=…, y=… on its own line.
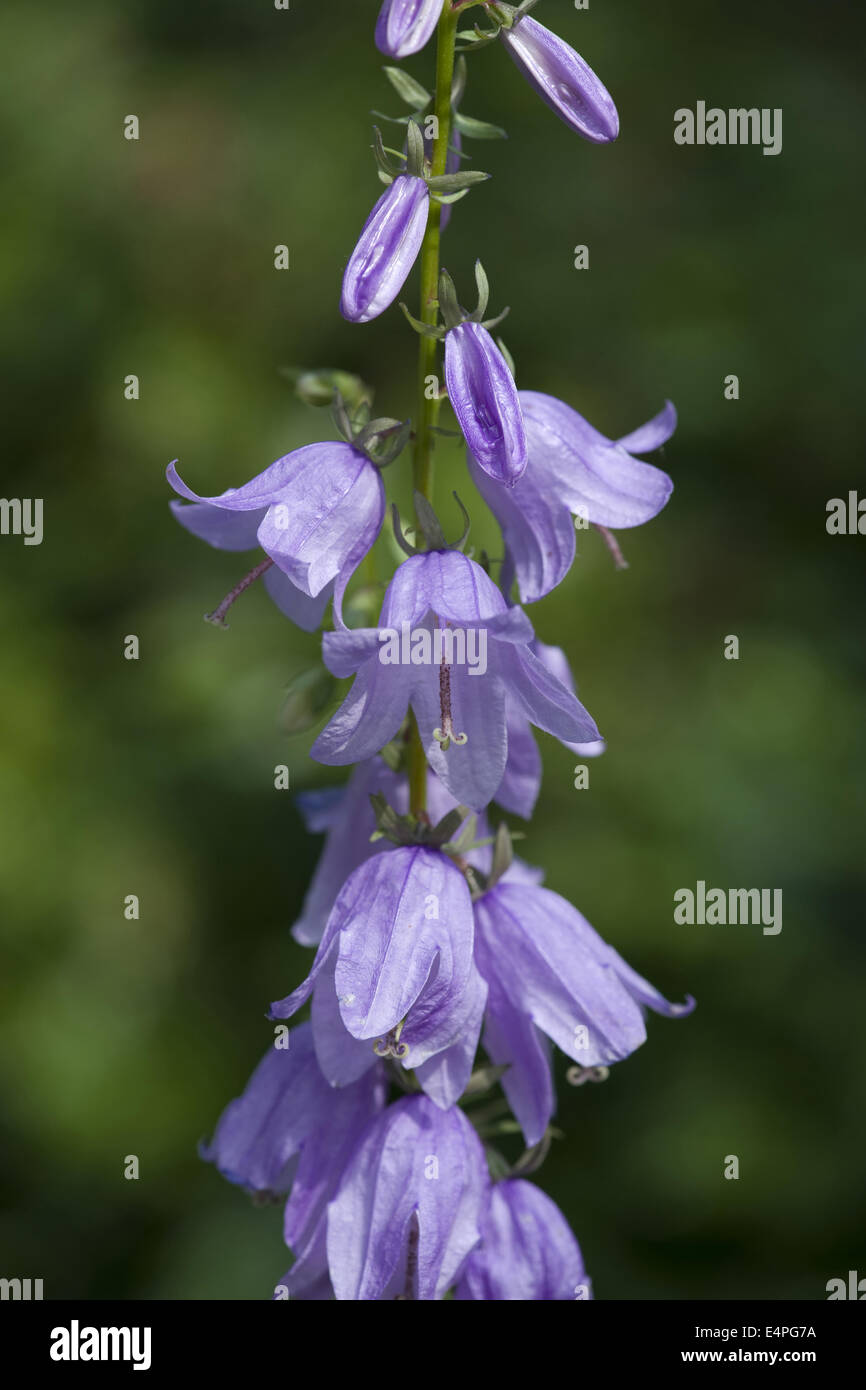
x=478, y=130
x=407, y=88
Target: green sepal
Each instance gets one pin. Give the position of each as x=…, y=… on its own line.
x=483, y=292
x=406, y=546
x=414, y=151
x=386, y=166
x=531, y=1159
x=429, y=523
x=503, y=855
x=427, y=330
x=509, y=360
x=450, y=197
x=449, y=306
x=456, y=183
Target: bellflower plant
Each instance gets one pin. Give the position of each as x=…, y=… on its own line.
x=449, y=989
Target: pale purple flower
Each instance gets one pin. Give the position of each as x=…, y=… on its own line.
x=407, y=1211
x=521, y=780
x=404, y=26
x=315, y=512
x=461, y=715
x=395, y=968
x=484, y=398
x=387, y=249
x=527, y=1252
x=550, y=975
x=290, y=1129
x=562, y=79
x=572, y=469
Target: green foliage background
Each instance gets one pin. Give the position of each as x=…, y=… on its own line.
x=156, y=777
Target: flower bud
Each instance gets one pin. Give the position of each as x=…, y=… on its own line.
x=404, y=26
x=562, y=79
x=484, y=398
x=386, y=251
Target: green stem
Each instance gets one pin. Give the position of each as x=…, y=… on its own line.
x=427, y=410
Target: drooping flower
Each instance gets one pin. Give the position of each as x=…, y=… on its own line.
x=549, y=972
x=387, y=249
x=407, y=1211
x=404, y=26
x=521, y=780
x=290, y=1129
x=443, y=596
x=395, y=968
x=563, y=80
x=484, y=398
x=527, y=1252
x=316, y=512
x=572, y=469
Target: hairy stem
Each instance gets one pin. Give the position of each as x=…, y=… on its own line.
x=427, y=409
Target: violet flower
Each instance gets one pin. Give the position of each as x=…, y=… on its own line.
x=387, y=249
x=562, y=79
x=290, y=1129
x=461, y=710
x=316, y=513
x=395, y=968
x=548, y=972
x=484, y=398
x=407, y=1211
x=572, y=469
x=404, y=26
x=527, y=1252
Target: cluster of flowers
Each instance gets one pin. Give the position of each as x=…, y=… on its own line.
x=431, y=938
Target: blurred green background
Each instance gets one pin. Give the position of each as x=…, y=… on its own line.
x=155, y=776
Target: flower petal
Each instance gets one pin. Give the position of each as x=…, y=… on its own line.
x=653, y=434
x=536, y=525
x=554, y=967
x=527, y=1252
x=443, y=582
x=305, y=612
x=368, y=718
x=593, y=476
x=544, y=700
x=418, y=1169
x=221, y=529
x=327, y=516
x=471, y=771
x=259, y=1134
